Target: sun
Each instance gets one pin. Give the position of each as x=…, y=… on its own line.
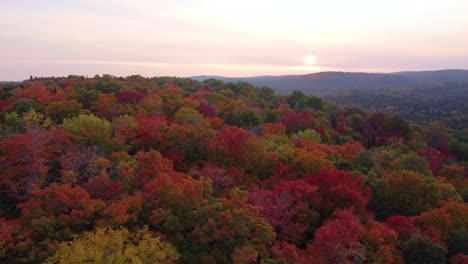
x=310, y=60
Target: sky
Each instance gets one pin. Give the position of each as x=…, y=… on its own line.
x=230, y=38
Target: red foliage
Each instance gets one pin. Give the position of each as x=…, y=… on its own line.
x=63, y=201
x=272, y=129
x=130, y=97
x=340, y=189
x=3, y=105
x=66, y=84
x=152, y=165
x=215, y=122
x=437, y=223
x=175, y=155
x=436, y=158
x=15, y=241
x=381, y=243
x=338, y=239
x=349, y=150
x=290, y=253
x=102, y=187
x=403, y=225
x=289, y=208
x=207, y=110
x=224, y=178
x=283, y=172
x=229, y=143
x=459, y=259
x=40, y=93
x=26, y=157
x=174, y=191
x=311, y=145
x=149, y=130
x=123, y=211
x=201, y=94
x=295, y=122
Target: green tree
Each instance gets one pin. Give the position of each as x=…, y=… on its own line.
x=421, y=250
x=57, y=111
x=308, y=134
x=91, y=129
x=13, y=123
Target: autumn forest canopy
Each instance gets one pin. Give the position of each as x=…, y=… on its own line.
x=173, y=170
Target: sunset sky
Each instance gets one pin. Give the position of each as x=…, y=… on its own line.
x=229, y=38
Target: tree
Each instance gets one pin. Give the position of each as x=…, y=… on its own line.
x=150, y=130
x=107, y=107
x=447, y=225
x=412, y=162
x=207, y=110
x=307, y=162
x=13, y=123
x=229, y=146
x=58, y=210
x=115, y=246
x=289, y=208
x=307, y=134
x=297, y=100
x=247, y=119
x=57, y=111
x=337, y=241
x=295, y=122
x=130, y=97
x=381, y=243
x=421, y=250
x=339, y=189
x=230, y=230
x=90, y=129
x=27, y=160
x=411, y=193
x=459, y=259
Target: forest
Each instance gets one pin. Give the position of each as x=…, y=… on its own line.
x=446, y=102
x=172, y=170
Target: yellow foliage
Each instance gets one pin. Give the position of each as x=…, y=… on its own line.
x=115, y=246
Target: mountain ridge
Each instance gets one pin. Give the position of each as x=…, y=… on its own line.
x=332, y=81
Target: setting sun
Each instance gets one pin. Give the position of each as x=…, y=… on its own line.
x=310, y=60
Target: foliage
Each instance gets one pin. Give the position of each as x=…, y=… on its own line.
x=107, y=169
x=115, y=246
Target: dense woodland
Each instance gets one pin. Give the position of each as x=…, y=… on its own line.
x=447, y=103
x=171, y=170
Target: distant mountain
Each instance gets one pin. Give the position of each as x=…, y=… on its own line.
x=323, y=83
x=441, y=76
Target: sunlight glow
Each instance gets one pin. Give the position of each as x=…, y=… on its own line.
x=310, y=60
x=271, y=37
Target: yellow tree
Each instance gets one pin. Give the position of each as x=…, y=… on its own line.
x=115, y=246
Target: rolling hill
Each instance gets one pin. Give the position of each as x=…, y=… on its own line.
x=324, y=83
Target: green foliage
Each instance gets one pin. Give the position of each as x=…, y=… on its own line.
x=86, y=97
x=24, y=105
x=13, y=123
x=57, y=111
x=421, y=250
x=411, y=193
x=246, y=119
x=412, y=162
x=308, y=134
x=91, y=129
x=226, y=172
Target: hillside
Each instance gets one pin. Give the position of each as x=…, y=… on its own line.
x=326, y=83
x=435, y=77
x=421, y=96
x=442, y=102
x=172, y=170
